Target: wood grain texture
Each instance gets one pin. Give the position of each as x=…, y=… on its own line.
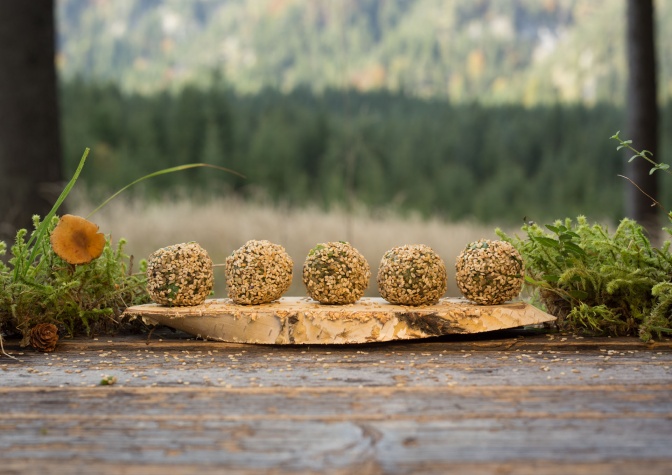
x=296, y=320
x=506, y=402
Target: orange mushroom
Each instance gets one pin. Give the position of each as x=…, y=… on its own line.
x=76, y=240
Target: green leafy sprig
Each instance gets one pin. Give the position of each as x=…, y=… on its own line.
x=645, y=154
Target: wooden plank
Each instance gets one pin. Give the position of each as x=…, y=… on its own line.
x=296, y=320
x=164, y=338
x=534, y=467
x=389, y=429
x=315, y=445
x=171, y=359
x=455, y=403
x=512, y=402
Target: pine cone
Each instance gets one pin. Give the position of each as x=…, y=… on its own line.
x=44, y=337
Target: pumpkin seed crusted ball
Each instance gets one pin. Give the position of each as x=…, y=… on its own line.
x=259, y=272
x=489, y=272
x=179, y=275
x=412, y=275
x=335, y=273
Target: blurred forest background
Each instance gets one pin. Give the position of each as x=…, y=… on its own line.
x=479, y=110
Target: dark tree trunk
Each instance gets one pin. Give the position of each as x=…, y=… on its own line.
x=30, y=148
x=642, y=111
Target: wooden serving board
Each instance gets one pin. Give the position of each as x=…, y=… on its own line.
x=300, y=320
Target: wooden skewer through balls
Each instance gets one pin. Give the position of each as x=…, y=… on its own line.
x=487, y=273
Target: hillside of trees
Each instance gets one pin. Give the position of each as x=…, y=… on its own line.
x=466, y=109
x=347, y=148
x=515, y=51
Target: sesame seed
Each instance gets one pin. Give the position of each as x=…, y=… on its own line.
x=179, y=275
x=489, y=272
x=412, y=275
x=258, y=272
x=335, y=273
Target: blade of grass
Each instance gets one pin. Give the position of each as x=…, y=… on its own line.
x=19, y=271
x=162, y=172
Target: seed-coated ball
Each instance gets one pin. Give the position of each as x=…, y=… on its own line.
x=412, y=275
x=179, y=275
x=335, y=273
x=258, y=272
x=489, y=272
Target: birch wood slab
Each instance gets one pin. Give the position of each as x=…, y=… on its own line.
x=297, y=320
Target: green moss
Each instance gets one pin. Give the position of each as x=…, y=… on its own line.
x=80, y=299
x=599, y=283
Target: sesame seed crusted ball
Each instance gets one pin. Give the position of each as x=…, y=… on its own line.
x=258, y=272
x=179, y=275
x=335, y=273
x=489, y=272
x=412, y=275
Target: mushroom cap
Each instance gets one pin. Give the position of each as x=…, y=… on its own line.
x=77, y=240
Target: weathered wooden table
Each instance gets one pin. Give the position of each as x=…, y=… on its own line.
x=505, y=402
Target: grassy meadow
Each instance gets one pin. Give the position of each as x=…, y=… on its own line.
x=223, y=225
